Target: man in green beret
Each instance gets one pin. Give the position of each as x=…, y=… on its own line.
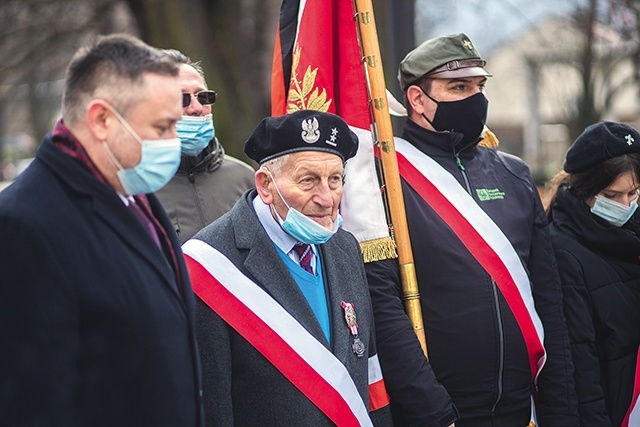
x=490, y=293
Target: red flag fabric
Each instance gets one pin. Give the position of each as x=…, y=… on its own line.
x=318, y=65
x=319, y=60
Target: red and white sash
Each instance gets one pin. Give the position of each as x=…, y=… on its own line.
x=632, y=417
x=266, y=325
x=482, y=237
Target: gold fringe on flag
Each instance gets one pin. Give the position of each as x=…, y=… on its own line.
x=378, y=249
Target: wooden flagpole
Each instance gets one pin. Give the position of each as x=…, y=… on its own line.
x=383, y=137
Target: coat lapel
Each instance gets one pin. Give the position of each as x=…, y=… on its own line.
x=268, y=270
x=123, y=223
x=108, y=208
x=335, y=263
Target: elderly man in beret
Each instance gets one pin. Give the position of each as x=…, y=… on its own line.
x=285, y=324
x=490, y=292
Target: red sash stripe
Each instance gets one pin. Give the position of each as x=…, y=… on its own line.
x=482, y=252
x=270, y=344
x=378, y=396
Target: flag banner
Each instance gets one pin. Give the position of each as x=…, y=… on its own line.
x=317, y=65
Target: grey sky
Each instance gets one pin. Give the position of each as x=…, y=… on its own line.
x=488, y=23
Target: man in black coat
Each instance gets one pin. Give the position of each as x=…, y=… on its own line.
x=96, y=306
x=490, y=293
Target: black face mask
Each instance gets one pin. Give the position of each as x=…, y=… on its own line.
x=467, y=116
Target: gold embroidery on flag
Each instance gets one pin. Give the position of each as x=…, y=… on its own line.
x=304, y=95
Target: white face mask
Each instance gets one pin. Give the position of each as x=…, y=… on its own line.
x=613, y=212
x=158, y=163
x=303, y=228
x=195, y=133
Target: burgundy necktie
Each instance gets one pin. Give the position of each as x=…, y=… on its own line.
x=304, y=253
x=145, y=221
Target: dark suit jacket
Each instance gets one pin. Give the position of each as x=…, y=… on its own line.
x=95, y=330
x=241, y=387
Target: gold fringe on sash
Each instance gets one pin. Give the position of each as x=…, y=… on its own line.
x=378, y=249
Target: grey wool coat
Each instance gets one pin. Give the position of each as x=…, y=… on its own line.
x=241, y=387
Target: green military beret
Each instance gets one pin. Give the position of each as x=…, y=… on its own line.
x=444, y=57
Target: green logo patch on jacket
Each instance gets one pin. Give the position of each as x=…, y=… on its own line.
x=486, y=194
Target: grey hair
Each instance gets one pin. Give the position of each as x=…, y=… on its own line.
x=180, y=58
x=275, y=165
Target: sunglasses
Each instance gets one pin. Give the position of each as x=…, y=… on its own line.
x=205, y=97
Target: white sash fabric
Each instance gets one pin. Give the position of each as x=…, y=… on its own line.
x=632, y=419
x=263, y=322
x=481, y=236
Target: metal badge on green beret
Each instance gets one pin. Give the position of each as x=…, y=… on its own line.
x=444, y=57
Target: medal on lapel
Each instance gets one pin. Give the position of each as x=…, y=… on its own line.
x=350, y=317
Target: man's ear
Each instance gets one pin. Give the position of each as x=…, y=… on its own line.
x=263, y=180
x=99, y=119
x=416, y=99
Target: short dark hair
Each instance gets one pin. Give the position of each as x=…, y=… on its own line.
x=109, y=67
x=586, y=184
x=180, y=58
x=591, y=182
x=425, y=83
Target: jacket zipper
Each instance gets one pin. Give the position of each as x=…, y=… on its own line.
x=194, y=187
x=500, y=345
x=496, y=300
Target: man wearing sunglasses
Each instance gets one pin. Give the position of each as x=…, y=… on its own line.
x=207, y=182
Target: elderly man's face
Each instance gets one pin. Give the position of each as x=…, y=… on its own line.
x=191, y=82
x=310, y=182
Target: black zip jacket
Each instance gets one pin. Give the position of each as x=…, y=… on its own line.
x=600, y=271
x=477, y=355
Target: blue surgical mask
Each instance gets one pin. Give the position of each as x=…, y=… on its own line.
x=303, y=228
x=614, y=213
x=158, y=163
x=195, y=132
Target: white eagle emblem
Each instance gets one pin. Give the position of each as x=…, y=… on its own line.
x=310, y=133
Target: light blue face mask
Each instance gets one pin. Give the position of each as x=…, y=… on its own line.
x=158, y=163
x=303, y=228
x=613, y=212
x=195, y=132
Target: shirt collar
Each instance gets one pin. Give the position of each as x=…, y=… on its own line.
x=275, y=232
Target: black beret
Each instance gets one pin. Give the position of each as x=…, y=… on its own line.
x=303, y=130
x=601, y=142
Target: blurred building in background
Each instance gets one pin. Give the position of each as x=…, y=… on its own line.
x=538, y=103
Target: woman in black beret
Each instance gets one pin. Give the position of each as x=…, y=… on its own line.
x=591, y=206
